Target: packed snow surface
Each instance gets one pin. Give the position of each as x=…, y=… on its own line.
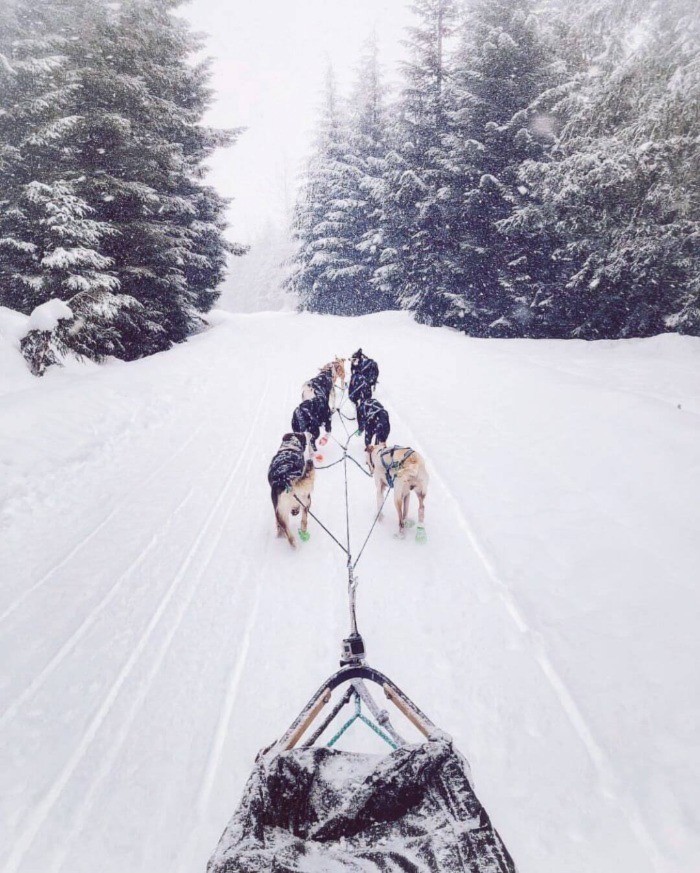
x=154, y=634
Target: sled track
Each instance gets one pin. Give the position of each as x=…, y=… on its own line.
x=229, y=702
x=90, y=619
x=86, y=805
x=93, y=533
x=608, y=780
x=44, y=807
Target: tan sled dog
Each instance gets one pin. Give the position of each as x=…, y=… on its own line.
x=291, y=479
x=405, y=469
x=339, y=370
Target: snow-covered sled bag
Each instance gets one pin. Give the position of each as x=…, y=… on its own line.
x=320, y=809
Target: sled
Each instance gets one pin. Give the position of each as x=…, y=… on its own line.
x=308, y=805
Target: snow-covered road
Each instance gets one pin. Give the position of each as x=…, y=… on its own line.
x=154, y=634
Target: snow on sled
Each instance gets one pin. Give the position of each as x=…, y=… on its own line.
x=315, y=808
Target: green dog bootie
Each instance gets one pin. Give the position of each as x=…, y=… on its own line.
x=421, y=535
x=304, y=535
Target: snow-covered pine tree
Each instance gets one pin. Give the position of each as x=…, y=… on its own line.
x=146, y=145
x=365, y=190
x=501, y=66
x=325, y=266
x=338, y=214
x=102, y=196
x=414, y=260
x=51, y=241
x=622, y=195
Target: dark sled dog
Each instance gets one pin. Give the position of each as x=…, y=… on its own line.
x=373, y=421
x=365, y=367
x=291, y=479
x=308, y=417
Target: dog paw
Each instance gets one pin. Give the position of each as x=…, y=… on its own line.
x=304, y=535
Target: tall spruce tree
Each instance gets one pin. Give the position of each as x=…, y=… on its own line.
x=364, y=197
x=622, y=195
x=104, y=203
x=51, y=241
x=325, y=268
x=414, y=263
x=501, y=66
x=146, y=146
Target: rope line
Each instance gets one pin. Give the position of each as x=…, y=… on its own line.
x=376, y=519
x=318, y=521
x=351, y=564
x=328, y=466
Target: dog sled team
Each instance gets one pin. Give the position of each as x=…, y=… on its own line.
x=292, y=471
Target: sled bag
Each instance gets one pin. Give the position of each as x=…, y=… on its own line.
x=324, y=809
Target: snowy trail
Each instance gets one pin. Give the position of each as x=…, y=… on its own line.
x=156, y=634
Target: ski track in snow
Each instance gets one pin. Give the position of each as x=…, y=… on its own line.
x=44, y=808
x=205, y=790
x=71, y=553
x=91, y=618
x=209, y=613
x=108, y=762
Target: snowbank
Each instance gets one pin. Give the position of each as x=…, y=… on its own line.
x=14, y=373
x=47, y=315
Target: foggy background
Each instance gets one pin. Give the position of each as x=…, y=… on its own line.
x=268, y=60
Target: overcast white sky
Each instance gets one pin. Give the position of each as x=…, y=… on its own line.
x=269, y=62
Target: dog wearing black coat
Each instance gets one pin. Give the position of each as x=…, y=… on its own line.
x=365, y=367
x=360, y=390
x=373, y=421
x=308, y=417
x=291, y=479
x=322, y=389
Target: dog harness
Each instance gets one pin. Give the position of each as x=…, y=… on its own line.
x=392, y=467
x=360, y=390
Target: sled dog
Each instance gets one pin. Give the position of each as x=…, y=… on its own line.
x=308, y=417
x=365, y=367
x=373, y=421
x=404, y=469
x=324, y=384
x=321, y=386
x=291, y=479
x=339, y=370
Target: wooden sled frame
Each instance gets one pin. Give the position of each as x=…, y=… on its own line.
x=354, y=674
